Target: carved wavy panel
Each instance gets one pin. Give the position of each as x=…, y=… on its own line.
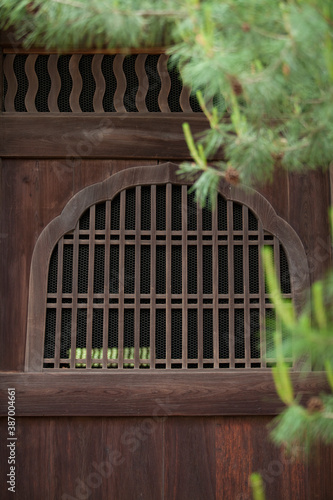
x=99, y=83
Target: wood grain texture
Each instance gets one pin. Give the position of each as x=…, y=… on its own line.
x=233, y=392
x=190, y=459
x=33, y=468
x=309, y=202
x=135, y=448
x=97, y=135
x=243, y=447
x=73, y=471
x=32, y=193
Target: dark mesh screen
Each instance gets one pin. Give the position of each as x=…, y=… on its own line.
x=135, y=291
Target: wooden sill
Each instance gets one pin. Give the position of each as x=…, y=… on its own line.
x=238, y=392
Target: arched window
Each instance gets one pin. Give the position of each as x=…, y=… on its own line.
x=134, y=274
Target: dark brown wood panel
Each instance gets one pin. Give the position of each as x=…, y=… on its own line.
x=74, y=471
x=32, y=194
x=135, y=448
x=309, y=203
x=69, y=135
x=32, y=459
x=321, y=472
x=243, y=447
x=190, y=459
x=233, y=392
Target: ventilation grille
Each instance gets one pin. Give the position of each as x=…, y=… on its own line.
x=149, y=280
x=93, y=83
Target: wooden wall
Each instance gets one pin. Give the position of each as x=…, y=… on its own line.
x=169, y=458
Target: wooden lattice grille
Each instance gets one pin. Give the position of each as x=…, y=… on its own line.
x=149, y=280
x=93, y=83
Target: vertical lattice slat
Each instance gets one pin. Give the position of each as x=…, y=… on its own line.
x=90, y=303
x=96, y=69
x=52, y=67
x=168, y=273
x=59, y=303
x=137, y=276
x=74, y=98
x=162, y=68
x=33, y=83
x=262, y=299
x=121, y=83
x=247, y=323
x=121, y=279
x=231, y=284
x=12, y=85
x=152, y=276
x=75, y=294
x=215, y=272
x=200, y=286
x=106, y=282
x=184, y=277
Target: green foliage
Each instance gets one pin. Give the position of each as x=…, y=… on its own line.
x=310, y=339
x=257, y=486
x=265, y=69
x=272, y=63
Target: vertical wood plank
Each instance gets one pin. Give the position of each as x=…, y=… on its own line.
x=243, y=447
x=52, y=67
x=134, y=446
x=74, y=98
x=310, y=220
x=8, y=68
x=76, y=454
x=33, y=464
x=190, y=458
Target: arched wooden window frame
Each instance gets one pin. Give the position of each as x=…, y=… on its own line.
x=107, y=190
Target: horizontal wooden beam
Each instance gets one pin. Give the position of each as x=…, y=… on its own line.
x=105, y=135
x=146, y=394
